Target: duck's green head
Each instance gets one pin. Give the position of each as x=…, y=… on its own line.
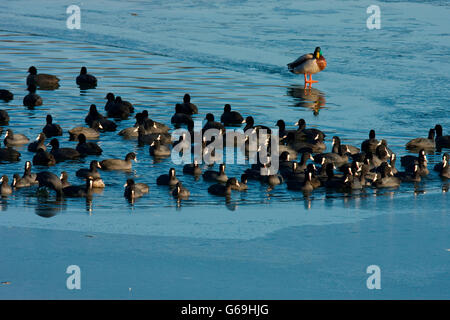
x=317, y=53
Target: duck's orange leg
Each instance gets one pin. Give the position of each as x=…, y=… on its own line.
x=310, y=79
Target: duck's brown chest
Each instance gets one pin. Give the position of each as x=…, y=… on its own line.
x=321, y=63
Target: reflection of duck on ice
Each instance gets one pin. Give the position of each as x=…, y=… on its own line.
x=307, y=97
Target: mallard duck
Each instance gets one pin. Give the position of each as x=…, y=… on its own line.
x=308, y=64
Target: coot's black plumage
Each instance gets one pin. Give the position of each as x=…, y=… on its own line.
x=154, y=126
x=64, y=177
x=94, y=115
x=409, y=160
x=370, y=144
x=231, y=118
x=14, y=139
x=119, y=164
x=212, y=175
x=42, y=80
x=132, y=191
x=28, y=178
x=422, y=143
x=441, y=140
x=51, y=129
x=49, y=180
x=144, y=138
x=86, y=80
x=4, y=118
x=242, y=184
x=212, y=124
x=5, y=188
x=118, y=109
x=250, y=124
x=38, y=143
x=63, y=154
x=43, y=158
x=444, y=167
x=307, y=134
x=92, y=132
x=32, y=99
x=338, y=159
x=87, y=148
x=79, y=191
x=6, y=95
x=168, y=179
x=337, y=144
x=223, y=190
x=180, y=117
x=192, y=168
x=157, y=149
x=113, y=101
x=408, y=176
x=92, y=171
x=180, y=192
x=187, y=107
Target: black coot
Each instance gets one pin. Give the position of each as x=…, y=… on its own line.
x=6, y=95
x=212, y=124
x=157, y=149
x=87, y=148
x=212, y=175
x=132, y=191
x=15, y=139
x=180, y=117
x=192, y=168
x=231, y=118
x=39, y=143
x=86, y=80
x=32, y=99
x=4, y=118
x=168, y=179
x=28, y=179
x=370, y=144
x=49, y=180
x=187, y=107
x=5, y=188
x=79, y=191
x=223, y=190
x=180, y=192
x=63, y=154
x=64, y=177
x=43, y=158
x=422, y=143
x=441, y=140
x=51, y=129
x=118, y=164
x=42, y=80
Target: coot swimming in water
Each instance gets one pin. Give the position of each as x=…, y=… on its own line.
x=6, y=95
x=231, y=118
x=42, y=80
x=87, y=148
x=86, y=80
x=38, y=143
x=43, y=158
x=15, y=139
x=51, y=129
x=63, y=154
x=32, y=99
x=118, y=164
x=168, y=179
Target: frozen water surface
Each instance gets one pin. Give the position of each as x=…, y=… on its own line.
x=281, y=245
